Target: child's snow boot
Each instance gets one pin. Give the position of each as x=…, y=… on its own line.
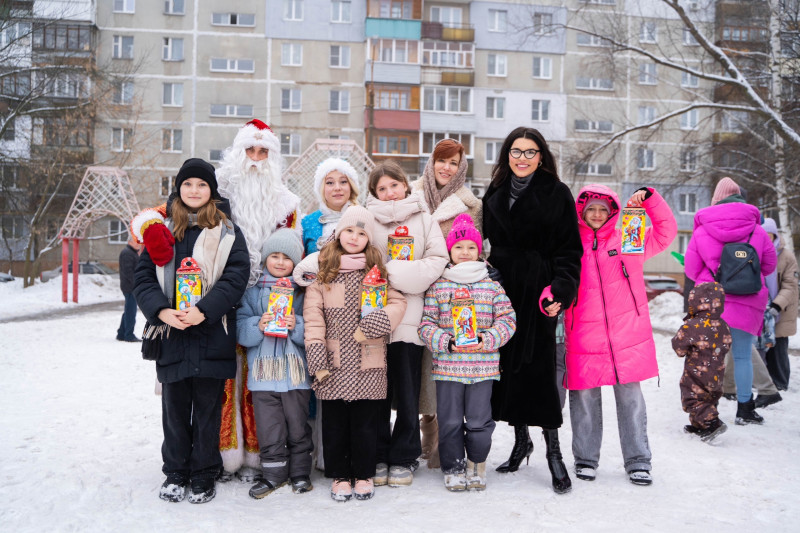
x=364, y=489
x=476, y=475
x=173, y=489
x=381, y=475
x=301, y=485
x=202, y=491
x=341, y=490
x=455, y=481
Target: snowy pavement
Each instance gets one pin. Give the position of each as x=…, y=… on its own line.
x=81, y=436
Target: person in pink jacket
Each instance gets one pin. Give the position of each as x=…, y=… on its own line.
x=609, y=339
x=729, y=219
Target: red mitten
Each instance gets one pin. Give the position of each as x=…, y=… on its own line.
x=159, y=241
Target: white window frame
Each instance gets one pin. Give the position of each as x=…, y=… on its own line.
x=292, y=141
x=495, y=107
x=648, y=31
x=239, y=65
x=688, y=38
x=12, y=226
x=231, y=110
x=124, y=6
x=491, y=150
x=689, y=120
x=339, y=101
x=293, y=10
x=648, y=74
x=449, y=93
x=689, y=80
x=497, y=20
x=166, y=185
x=600, y=2
x=594, y=126
x=118, y=232
x=545, y=68
x=645, y=159
x=172, y=49
x=587, y=39
x=688, y=160
x=171, y=141
x=121, y=139
x=735, y=121
x=594, y=84
x=172, y=95
x=291, y=54
x=342, y=55
x=122, y=47
x=295, y=99
x=234, y=19
x=447, y=16
x=447, y=54
x=683, y=241
x=429, y=139
x=687, y=203
x=341, y=11
x=171, y=9
x=646, y=115
x=123, y=93
x=497, y=65
x=540, y=110
x=542, y=23
x=594, y=169
x=395, y=49
x=215, y=154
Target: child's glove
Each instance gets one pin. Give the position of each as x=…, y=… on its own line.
x=159, y=241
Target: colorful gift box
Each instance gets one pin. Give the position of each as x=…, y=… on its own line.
x=279, y=304
x=401, y=245
x=373, y=292
x=465, y=327
x=632, y=230
x=188, y=287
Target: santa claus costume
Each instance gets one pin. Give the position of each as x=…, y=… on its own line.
x=260, y=203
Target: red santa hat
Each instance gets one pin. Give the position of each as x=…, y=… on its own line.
x=256, y=133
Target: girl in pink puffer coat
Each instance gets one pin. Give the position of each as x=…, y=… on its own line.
x=609, y=339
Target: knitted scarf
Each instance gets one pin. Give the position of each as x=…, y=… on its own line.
x=352, y=262
x=433, y=194
x=466, y=272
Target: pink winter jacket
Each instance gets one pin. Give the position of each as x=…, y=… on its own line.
x=609, y=338
x=714, y=227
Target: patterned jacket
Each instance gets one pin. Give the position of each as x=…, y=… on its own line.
x=333, y=314
x=496, y=321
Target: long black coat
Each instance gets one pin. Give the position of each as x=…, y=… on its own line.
x=128, y=258
x=204, y=350
x=534, y=244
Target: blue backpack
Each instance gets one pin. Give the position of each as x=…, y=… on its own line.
x=739, y=270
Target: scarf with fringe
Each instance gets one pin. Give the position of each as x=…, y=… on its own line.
x=433, y=194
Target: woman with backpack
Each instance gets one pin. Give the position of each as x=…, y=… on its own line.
x=730, y=220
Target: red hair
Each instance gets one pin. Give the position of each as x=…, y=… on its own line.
x=447, y=148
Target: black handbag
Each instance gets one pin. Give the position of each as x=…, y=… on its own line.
x=151, y=341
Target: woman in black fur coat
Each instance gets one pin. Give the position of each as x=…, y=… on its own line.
x=529, y=219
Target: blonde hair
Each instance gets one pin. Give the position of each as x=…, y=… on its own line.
x=353, y=188
x=330, y=259
x=208, y=216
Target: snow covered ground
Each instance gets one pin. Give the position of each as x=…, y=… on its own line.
x=81, y=436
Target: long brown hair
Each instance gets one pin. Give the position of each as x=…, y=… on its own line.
x=502, y=169
x=208, y=216
x=387, y=168
x=330, y=259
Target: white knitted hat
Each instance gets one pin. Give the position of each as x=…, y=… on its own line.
x=328, y=166
x=256, y=133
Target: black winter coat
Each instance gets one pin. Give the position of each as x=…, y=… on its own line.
x=128, y=258
x=204, y=350
x=534, y=244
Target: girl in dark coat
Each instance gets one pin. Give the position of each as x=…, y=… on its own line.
x=198, y=348
x=529, y=219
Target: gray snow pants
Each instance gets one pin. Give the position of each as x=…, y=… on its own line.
x=284, y=434
x=465, y=422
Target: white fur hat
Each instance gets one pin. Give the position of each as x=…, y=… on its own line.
x=328, y=166
x=257, y=133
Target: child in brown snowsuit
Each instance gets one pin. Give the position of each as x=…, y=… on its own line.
x=704, y=339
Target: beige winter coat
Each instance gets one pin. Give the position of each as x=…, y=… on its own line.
x=787, y=293
x=461, y=201
x=412, y=278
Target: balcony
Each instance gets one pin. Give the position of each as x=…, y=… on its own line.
x=452, y=32
x=394, y=119
x=458, y=77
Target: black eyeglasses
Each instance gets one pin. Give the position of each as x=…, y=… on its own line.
x=529, y=154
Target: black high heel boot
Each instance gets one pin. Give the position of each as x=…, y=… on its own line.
x=523, y=448
x=561, y=482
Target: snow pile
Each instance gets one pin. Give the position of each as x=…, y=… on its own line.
x=41, y=297
x=666, y=311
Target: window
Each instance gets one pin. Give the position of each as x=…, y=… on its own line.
x=339, y=101
x=13, y=226
x=292, y=9
x=392, y=97
x=540, y=110
x=689, y=120
x=9, y=132
x=647, y=74
x=744, y=33
x=123, y=93
x=392, y=145
x=291, y=100
x=734, y=121
x=292, y=54
x=233, y=19
x=122, y=47
x=172, y=49
x=9, y=177
x=340, y=11
x=447, y=99
x=593, y=169
x=688, y=160
x=602, y=2
x=683, y=241
x=492, y=150
x=648, y=32
x=584, y=39
x=688, y=38
x=645, y=159
x=449, y=17
x=542, y=68
x=429, y=140
x=395, y=9
x=597, y=84
x=394, y=51
x=447, y=54
x=173, y=7
x=12, y=32
x=121, y=139
x=49, y=36
x=62, y=84
x=689, y=80
x=55, y=131
x=595, y=126
x=687, y=203
x=171, y=140
x=166, y=185
x=340, y=56
x=497, y=65
x=495, y=107
x=124, y=6
x=173, y=95
x=16, y=84
x=646, y=114
x=231, y=110
x=542, y=23
x=498, y=20
x=219, y=64
x=117, y=232
x=290, y=144
x=215, y=155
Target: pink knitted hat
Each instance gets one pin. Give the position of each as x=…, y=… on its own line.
x=464, y=229
x=725, y=188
